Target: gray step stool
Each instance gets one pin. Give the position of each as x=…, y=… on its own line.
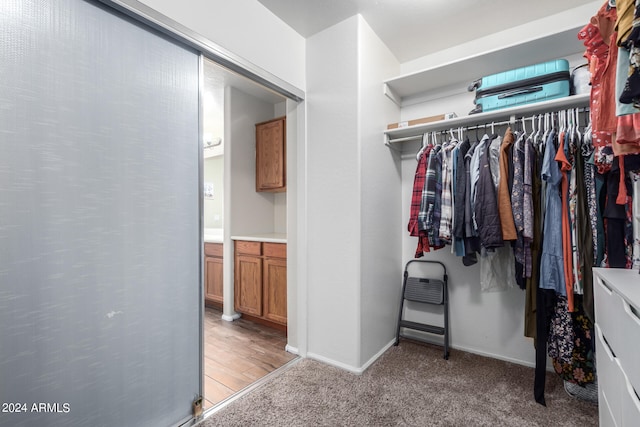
x=425, y=290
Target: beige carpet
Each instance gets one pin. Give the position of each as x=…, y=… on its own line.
x=409, y=385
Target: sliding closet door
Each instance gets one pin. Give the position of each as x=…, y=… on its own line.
x=100, y=259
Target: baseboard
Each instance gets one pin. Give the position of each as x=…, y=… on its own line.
x=352, y=369
x=332, y=362
x=292, y=350
x=422, y=338
x=494, y=356
x=377, y=355
x=231, y=318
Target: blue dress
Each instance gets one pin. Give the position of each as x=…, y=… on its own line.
x=551, y=262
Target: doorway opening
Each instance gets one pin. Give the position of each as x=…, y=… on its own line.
x=238, y=351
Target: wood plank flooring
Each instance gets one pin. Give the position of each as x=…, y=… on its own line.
x=237, y=354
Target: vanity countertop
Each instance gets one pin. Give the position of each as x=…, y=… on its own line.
x=262, y=237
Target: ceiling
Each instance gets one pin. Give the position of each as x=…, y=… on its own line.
x=415, y=28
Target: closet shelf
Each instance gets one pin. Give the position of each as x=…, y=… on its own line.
x=414, y=132
x=465, y=70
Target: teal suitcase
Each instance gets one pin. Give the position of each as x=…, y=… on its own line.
x=521, y=86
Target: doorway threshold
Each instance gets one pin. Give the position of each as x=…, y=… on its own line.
x=248, y=389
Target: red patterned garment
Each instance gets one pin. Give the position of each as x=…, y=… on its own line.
x=597, y=36
x=416, y=199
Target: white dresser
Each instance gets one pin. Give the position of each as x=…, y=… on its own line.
x=617, y=328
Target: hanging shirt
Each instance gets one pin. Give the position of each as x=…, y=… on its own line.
x=425, y=219
x=474, y=172
x=598, y=36
x=631, y=92
x=416, y=199
x=625, y=12
x=551, y=262
x=504, y=198
x=460, y=191
x=528, y=205
x=446, y=207
x=486, y=206
x=517, y=206
x=567, y=246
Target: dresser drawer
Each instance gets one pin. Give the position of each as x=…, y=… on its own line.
x=629, y=353
x=630, y=406
x=610, y=377
x=248, y=248
x=606, y=417
x=608, y=308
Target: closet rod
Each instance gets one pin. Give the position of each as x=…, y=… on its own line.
x=512, y=121
x=542, y=107
x=406, y=138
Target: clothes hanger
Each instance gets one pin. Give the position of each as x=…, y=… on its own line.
x=533, y=129
x=547, y=125
x=425, y=142
x=576, y=112
x=536, y=135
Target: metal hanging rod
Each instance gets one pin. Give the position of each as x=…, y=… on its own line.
x=513, y=120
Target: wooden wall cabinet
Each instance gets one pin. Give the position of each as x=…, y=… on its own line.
x=271, y=164
x=213, y=279
x=260, y=283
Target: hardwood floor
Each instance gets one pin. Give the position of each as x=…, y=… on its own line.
x=237, y=354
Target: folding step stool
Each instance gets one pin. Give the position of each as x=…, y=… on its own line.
x=426, y=291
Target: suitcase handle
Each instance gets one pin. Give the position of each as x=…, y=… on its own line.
x=475, y=85
x=520, y=92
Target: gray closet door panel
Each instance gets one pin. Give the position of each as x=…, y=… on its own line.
x=100, y=256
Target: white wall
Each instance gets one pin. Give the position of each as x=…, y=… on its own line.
x=353, y=197
x=245, y=211
x=296, y=284
x=380, y=248
x=245, y=28
x=213, y=209
x=333, y=195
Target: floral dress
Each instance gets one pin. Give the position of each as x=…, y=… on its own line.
x=570, y=343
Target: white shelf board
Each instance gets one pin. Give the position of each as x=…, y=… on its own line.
x=488, y=117
x=466, y=70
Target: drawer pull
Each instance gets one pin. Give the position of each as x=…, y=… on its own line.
x=604, y=286
x=632, y=393
x=605, y=345
x=631, y=312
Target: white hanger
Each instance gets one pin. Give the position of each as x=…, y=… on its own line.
x=545, y=135
x=425, y=141
x=576, y=113
x=536, y=137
